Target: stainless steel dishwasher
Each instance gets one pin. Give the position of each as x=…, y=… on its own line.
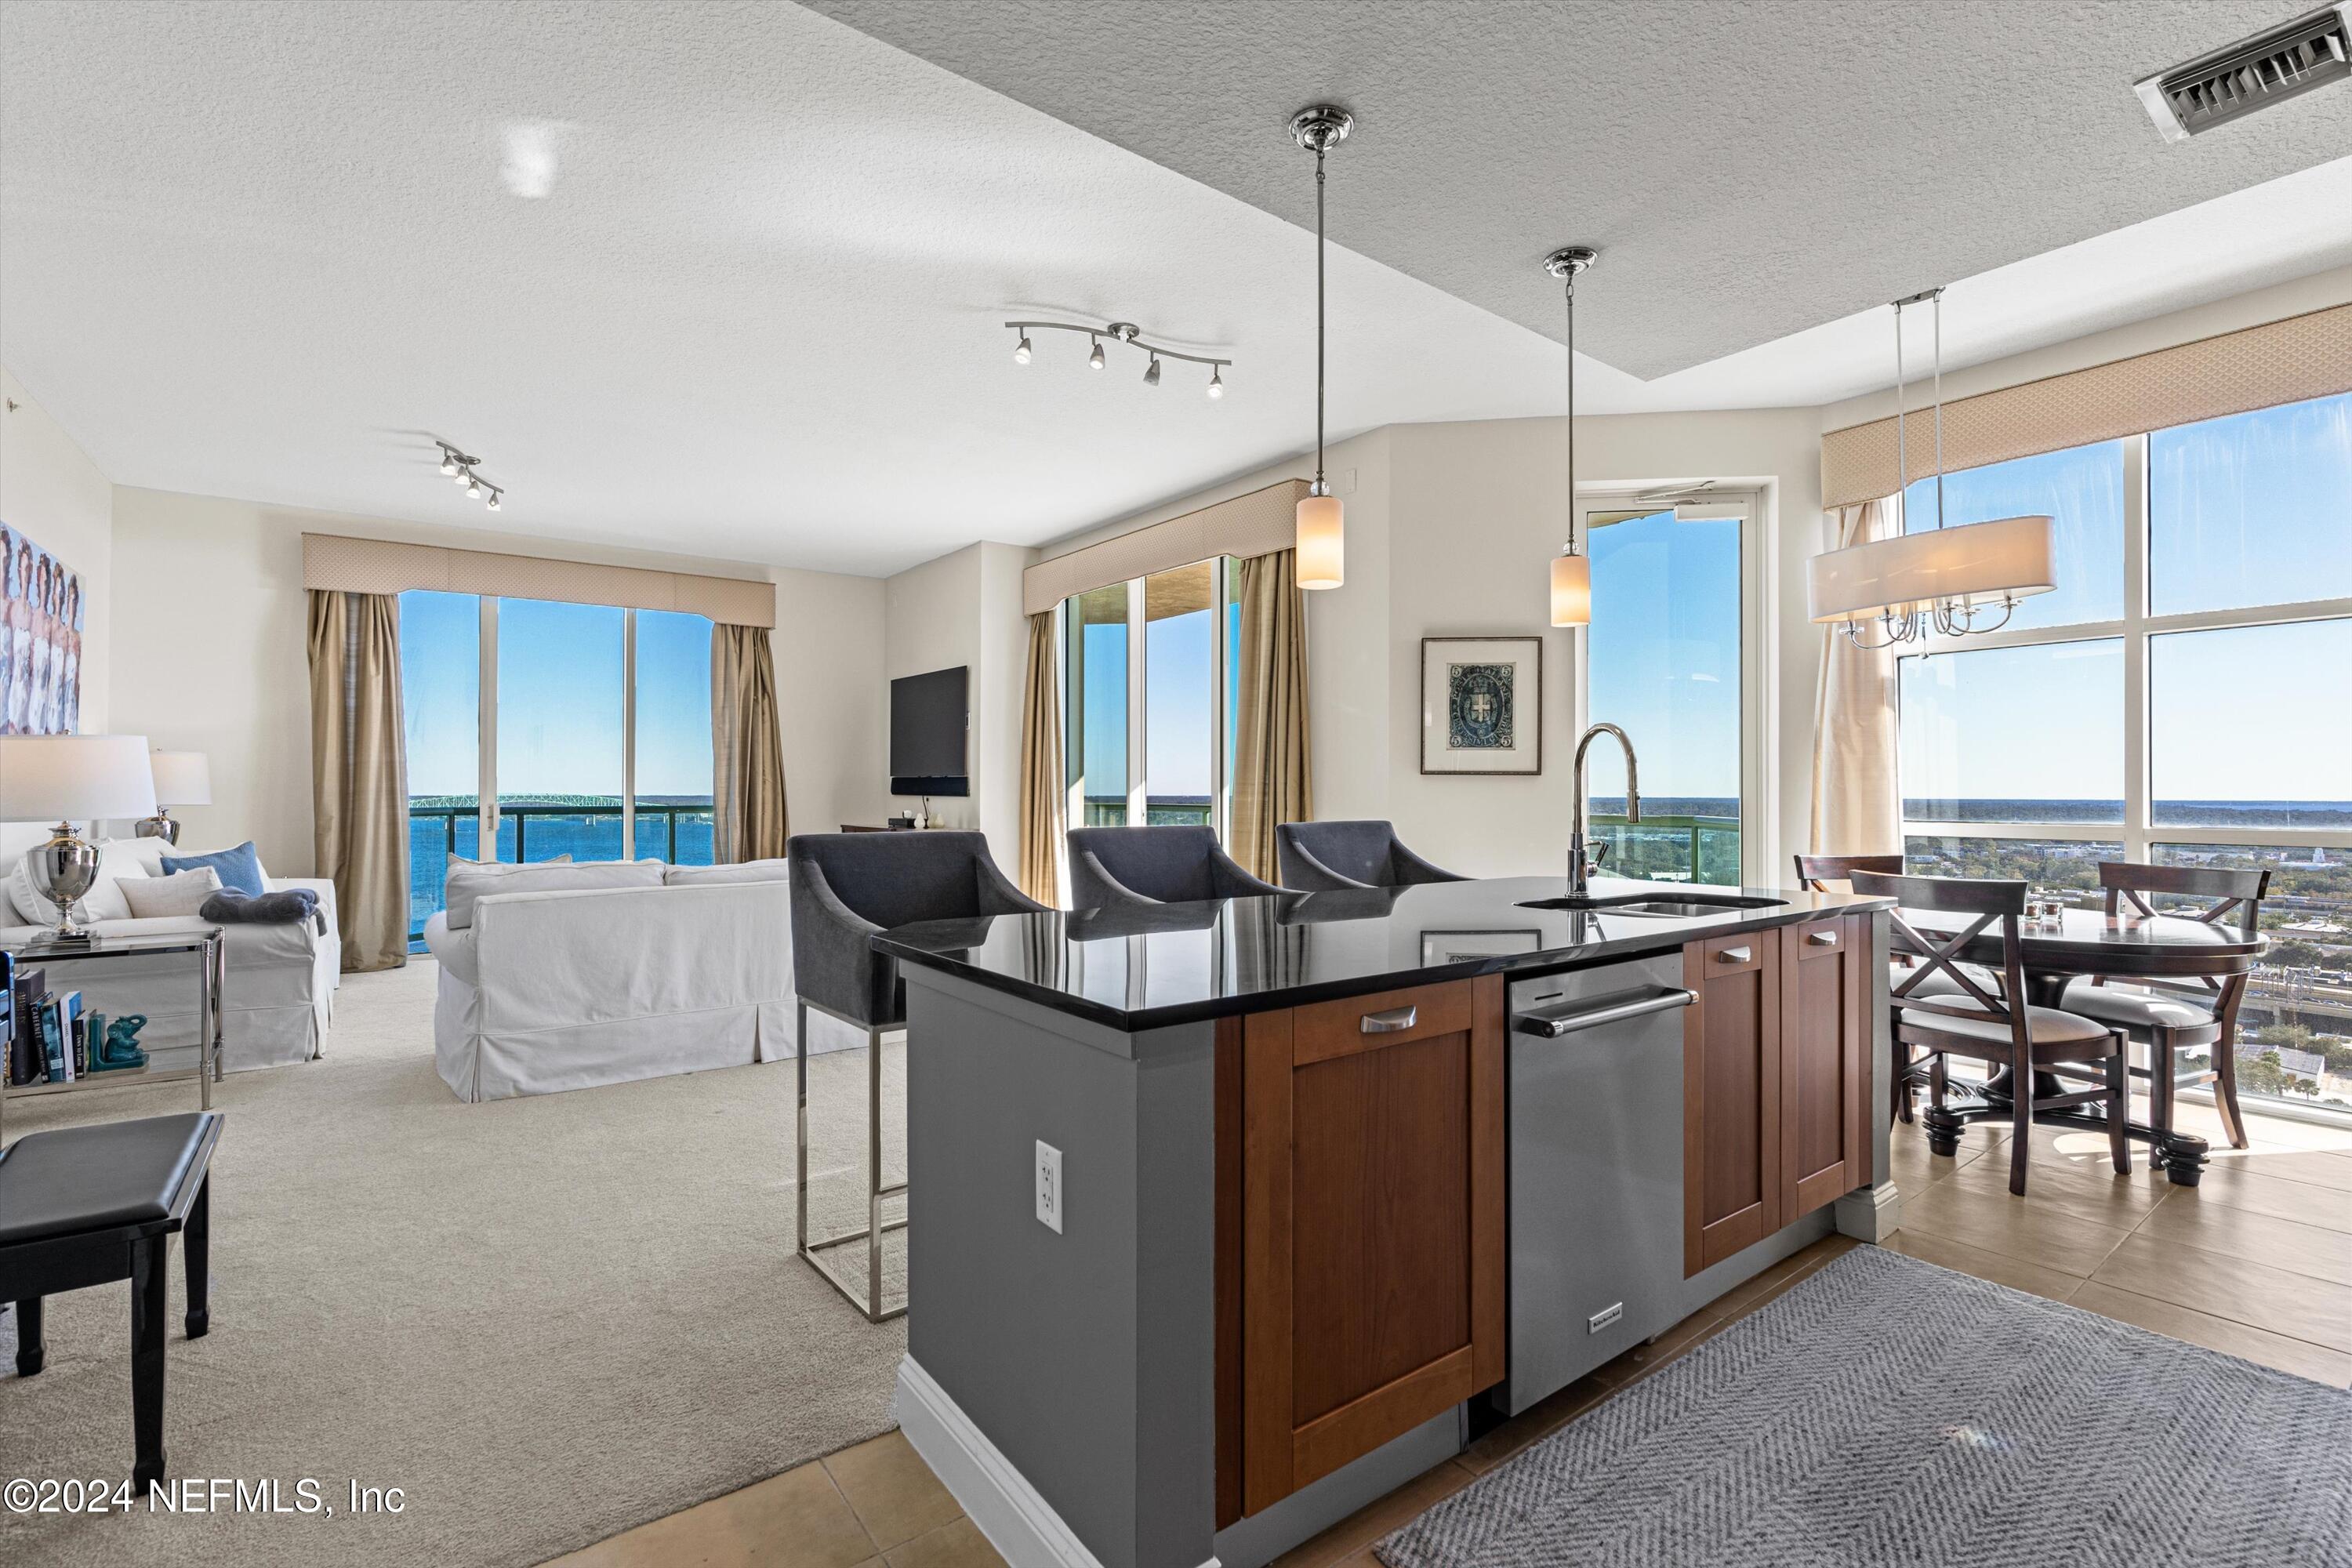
x=1596, y=1169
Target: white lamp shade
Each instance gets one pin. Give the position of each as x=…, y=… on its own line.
x=2007, y=558
x=182, y=778
x=1571, y=590
x=1322, y=542
x=75, y=778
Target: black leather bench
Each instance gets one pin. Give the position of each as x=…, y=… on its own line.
x=88, y=1206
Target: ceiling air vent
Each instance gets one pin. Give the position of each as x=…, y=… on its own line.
x=2253, y=73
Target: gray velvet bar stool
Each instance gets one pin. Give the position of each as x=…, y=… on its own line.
x=1333, y=857
x=846, y=887
x=1166, y=864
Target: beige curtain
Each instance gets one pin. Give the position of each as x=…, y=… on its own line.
x=1041, y=787
x=1856, y=809
x=1273, y=772
x=747, y=748
x=359, y=772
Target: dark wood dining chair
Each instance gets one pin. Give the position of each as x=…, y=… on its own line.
x=1815, y=874
x=1984, y=1025
x=2200, y=1012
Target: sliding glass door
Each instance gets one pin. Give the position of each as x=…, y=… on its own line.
x=537, y=730
x=1668, y=659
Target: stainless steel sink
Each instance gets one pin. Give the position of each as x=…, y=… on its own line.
x=1682, y=906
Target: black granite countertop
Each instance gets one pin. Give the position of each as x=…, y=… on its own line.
x=1146, y=967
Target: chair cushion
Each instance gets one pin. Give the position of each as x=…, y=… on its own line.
x=2136, y=1009
x=1966, y=1017
x=76, y=1179
x=778, y=870
x=467, y=885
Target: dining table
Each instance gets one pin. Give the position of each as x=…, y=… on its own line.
x=2121, y=944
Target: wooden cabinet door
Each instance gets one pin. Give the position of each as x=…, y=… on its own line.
x=1731, y=1096
x=1371, y=1256
x=1824, y=1061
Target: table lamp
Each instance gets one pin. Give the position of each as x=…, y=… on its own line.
x=66, y=778
x=182, y=778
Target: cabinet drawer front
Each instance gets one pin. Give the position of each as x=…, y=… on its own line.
x=1328, y=1030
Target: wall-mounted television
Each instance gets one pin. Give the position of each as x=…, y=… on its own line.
x=930, y=718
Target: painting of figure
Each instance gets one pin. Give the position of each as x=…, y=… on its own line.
x=41, y=614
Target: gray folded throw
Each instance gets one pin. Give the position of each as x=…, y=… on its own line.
x=281, y=908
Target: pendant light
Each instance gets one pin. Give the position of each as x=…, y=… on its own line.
x=1321, y=524
x=1942, y=581
x=1571, y=574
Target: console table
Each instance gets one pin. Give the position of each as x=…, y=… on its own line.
x=210, y=953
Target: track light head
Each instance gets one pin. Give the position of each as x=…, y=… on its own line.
x=448, y=465
x=473, y=486
x=493, y=502
x=1021, y=350
x=1095, y=360
x=1151, y=372
x=1216, y=382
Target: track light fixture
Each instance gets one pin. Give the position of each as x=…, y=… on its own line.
x=1125, y=333
x=459, y=467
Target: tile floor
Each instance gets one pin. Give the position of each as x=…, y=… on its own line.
x=2257, y=1262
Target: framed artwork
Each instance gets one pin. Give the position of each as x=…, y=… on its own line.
x=41, y=616
x=1482, y=705
x=1444, y=947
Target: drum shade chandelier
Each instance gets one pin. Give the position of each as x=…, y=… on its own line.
x=1942, y=581
x=1322, y=526
x=1571, y=574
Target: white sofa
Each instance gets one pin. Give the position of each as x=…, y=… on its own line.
x=605, y=972
x=278, y=993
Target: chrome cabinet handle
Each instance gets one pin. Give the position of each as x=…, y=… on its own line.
x=1821, y=938
x=1610, y=1009
x=1735, y=955
x=1395, y=1021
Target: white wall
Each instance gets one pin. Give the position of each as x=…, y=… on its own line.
x=964, y=609
x=52, y=493
x=211, y=656
x=1451, y=531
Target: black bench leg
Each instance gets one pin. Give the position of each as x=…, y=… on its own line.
x=196, y=1241
x=31, y=1353
x=149, y=1300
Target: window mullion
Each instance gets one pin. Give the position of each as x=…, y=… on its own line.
x=628, y=734
x=1139, y=757
x=2136, y=813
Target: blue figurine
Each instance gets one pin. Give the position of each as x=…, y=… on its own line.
x=118, y=1046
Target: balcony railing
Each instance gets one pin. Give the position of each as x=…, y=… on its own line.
x=680, y=833
x=1159, y=811
x=1671, y=849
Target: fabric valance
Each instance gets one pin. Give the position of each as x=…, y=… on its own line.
x=2302, y=357
x=335, y=562
x=1258, y=523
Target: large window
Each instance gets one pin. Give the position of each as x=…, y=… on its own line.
x=591, y=736
x=2182, y=699
x=1664, y=659
x=1149, y=691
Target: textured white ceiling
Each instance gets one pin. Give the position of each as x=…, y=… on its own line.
x=1748, y=171
x=267, y=251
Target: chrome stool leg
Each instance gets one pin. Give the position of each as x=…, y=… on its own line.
x=869, y=1301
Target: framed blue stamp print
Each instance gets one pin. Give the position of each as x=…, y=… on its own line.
x=1482, y=705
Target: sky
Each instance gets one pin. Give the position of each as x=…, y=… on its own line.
x=2255, y=509
x=1664, y=652
x=560, y=698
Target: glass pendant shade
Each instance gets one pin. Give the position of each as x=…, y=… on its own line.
x=1322, y=542
x=1980, y=563
x=1571, y=590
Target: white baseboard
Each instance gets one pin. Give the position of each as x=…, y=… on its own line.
x=1021, y=1525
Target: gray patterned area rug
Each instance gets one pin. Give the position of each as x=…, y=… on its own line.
x=1889, y=1411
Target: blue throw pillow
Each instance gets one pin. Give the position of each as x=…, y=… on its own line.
x=239, y=870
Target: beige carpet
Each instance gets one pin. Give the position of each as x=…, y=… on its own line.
x=545, y=1320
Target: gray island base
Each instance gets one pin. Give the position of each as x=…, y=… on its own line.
x=1229, y=1218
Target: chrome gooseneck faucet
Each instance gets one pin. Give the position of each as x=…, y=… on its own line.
x=1578, y=870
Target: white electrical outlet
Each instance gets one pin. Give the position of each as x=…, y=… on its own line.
x=1049, y=1186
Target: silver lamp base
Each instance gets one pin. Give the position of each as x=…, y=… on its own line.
x=158, y=826
x=63, y=869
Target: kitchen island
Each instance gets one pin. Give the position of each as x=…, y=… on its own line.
x=1228, y=1218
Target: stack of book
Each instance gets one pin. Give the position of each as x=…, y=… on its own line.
x=52, y=1041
